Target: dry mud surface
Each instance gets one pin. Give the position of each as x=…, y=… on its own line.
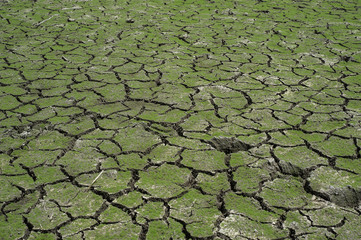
x=180, y=119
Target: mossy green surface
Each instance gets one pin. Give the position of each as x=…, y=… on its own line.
x=108, y=110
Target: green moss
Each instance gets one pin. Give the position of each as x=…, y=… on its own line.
x=8, y=102
x=300, y=156
x=80, y=159
x=198, y=210
x=106, y=109
x=27, y=109
x=248, y=178
x=213, y=184
x=122, y=230
x=46, y=215
x=9, y=192
x=236, y=226
x=204, y=160
x=164, y=153
x=113, y=214
x=321, y=181
x=79, y=202
x=163, y=231
x=13, y=90
x=79, y=126
x=335, y=146
x=59, y=120
x=34, y=158
x=132, y=161
x=135, y=138
x=131, y=199
x=164, y=181
x=76, y=226
x=42, y=236
x=46, y=174
x=112, y=181
x=109, y=147
x=285, y=192
x=112, y=92
x=151, y=210
x=113, y=123
x=8, y=143
x=7, y=227
x=42, y=115
x=50, y=140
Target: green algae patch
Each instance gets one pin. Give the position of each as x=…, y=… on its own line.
x=47, y=174
x=339, y=147
x=188, y=143
x=213, y=184
x=151, y=211
x=130, y=200
x=242, y=158
x=8, y=143
x=351, y=228
x=132, y=161
x=109, y=147
x=172, y=116
x=353, y=165
x=8, y=102
x=12, y=90
x=198, y=210
x=248, y=207
x=22, y=206
x=112, y=92
x=113, y=123
x=80, y=159
x=320, y=178
x=300, y=156
x=52, y=217
x=107, y=109
x=77, y=226
x=14, y=221
x=111, y=181
x=162, y=230
x=204, y=160
x=79, y=126
x=248, y=179
x=42, y=236
x=158, y=120
x=9, y=191
x=121, y=230
x=26, y=109
x=114, y=214
x=164, y=181
x=285, y=192
x=34, y=158
x=99, y=134
x=74, y=198
x=238, y=227
x=288, y=138
x=135, y=139
x=164, y=153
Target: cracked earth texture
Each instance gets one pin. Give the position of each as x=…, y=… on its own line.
x=190, y=119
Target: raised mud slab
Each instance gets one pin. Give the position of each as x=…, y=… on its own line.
x=180, y=119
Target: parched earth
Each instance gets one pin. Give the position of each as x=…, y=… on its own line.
x=183, y=119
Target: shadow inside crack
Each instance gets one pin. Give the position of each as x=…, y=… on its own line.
x=344, y=197
x=229, y=145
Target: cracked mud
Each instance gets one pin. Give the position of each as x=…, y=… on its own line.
x=180, y=119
